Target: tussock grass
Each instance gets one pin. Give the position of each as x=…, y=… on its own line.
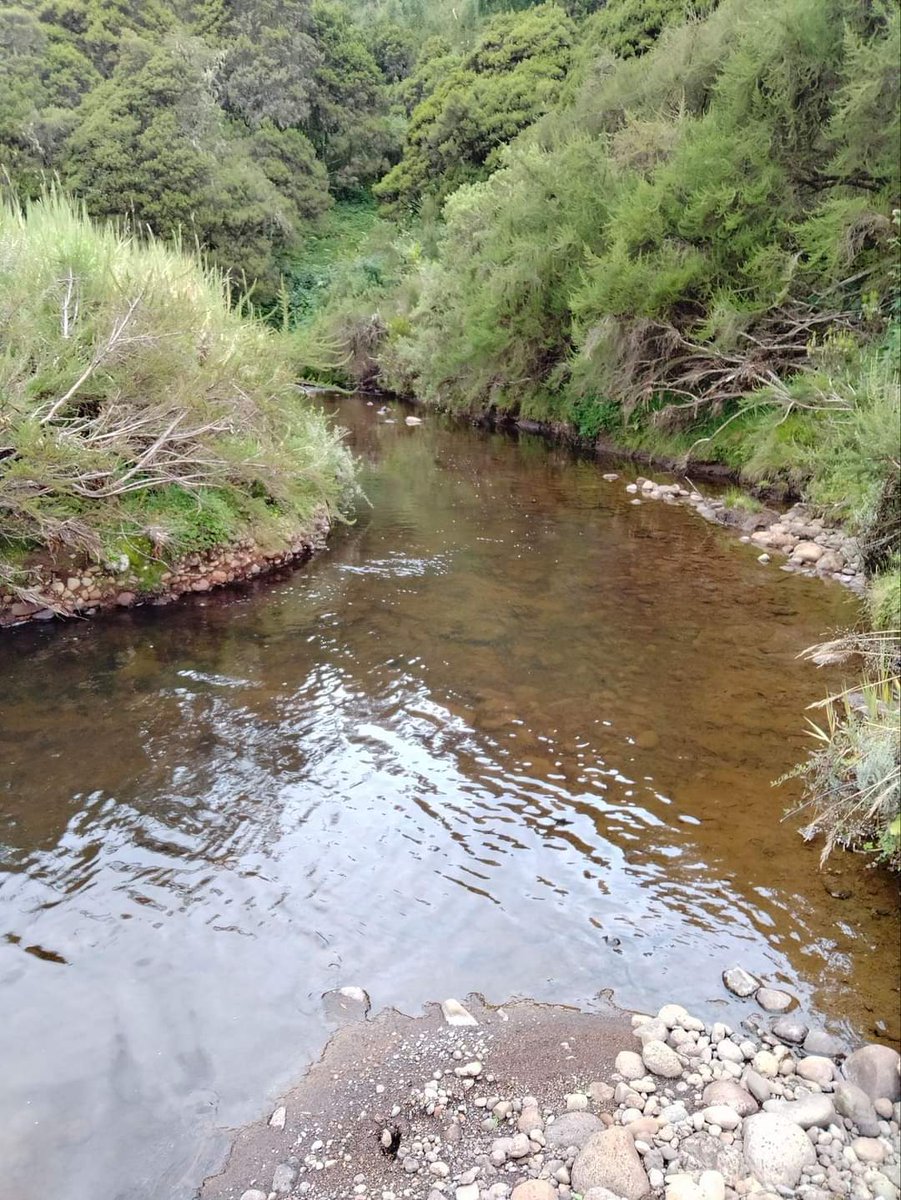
x=852, y=778
x=139, y=400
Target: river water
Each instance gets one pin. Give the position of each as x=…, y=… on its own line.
x=510, y=733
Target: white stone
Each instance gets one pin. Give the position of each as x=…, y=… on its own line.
x=661, y=1059
x=469, y=1191
x=629, y=1065
x=766, y=1063
x=776, y=1150
x=278, y=1118
x=740, y=982
x=722, y=1115
x=773, y=999
x=816, y=1069
x=456, y=1014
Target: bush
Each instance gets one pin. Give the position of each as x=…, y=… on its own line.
x=136, y=400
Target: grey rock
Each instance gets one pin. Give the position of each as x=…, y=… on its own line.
x=254, y=1194
x=740, y=982
x=776, y=1150
x=727, y=1051
x=572, y=1129
x=661, y=1059
x=852, y=1102
x=790, y=1029
x=731, y=1093
x=704, y=1152
x=774, y=999
x=875, y=1068
x=757, y=1085
x=817, y=1069
x=812, y=1109
x=609, y=1159
x=651, y=1031
x=283, y=1179
x=629, y=1065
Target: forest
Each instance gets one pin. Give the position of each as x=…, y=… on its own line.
x=665, y=226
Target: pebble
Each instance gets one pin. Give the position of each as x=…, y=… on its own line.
x=469, y=1191
x=283, y=1178
x=790, y=1029
x=773, y=999
x=629, y=1065
x=471, y=1070
x=820, y=1042
x=722, y=1115
x=661, y=1059
x=870, y=1150
x=816, y=1069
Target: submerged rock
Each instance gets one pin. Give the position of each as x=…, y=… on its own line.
x=774, y=999
x=790, y=1029
x=740, y=982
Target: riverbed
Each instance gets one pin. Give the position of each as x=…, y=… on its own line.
x=510, y=733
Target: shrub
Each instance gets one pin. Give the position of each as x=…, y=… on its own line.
x=136, y=400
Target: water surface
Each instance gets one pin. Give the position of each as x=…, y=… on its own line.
x=510, y=733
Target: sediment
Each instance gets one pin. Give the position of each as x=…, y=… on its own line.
x=537, y=1102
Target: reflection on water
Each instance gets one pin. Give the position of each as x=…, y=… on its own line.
x=510, y=733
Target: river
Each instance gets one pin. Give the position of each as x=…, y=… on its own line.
x=510, y=733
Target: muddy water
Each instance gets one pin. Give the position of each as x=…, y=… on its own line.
x=510, y=733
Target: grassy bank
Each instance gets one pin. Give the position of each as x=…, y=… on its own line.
x=141, y=414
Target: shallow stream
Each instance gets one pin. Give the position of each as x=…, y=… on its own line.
x=510, y=733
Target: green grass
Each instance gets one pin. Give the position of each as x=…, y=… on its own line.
x=324, y=257
x=138, y=404
x=743, y=501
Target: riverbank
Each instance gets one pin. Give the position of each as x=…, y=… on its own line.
x=540, y=1102
x=83, y=589
x=152, y=438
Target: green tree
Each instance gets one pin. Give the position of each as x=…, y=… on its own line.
x=510, y=77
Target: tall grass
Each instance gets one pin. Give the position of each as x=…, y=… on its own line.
x=138, y=400
x=852, y=778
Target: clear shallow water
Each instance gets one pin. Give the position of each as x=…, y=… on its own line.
x=509, y=733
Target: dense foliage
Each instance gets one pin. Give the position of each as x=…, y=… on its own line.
x=475, y=103
x=232, y=122
x=141, y=414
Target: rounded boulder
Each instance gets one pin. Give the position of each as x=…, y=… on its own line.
x=776, y=1150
